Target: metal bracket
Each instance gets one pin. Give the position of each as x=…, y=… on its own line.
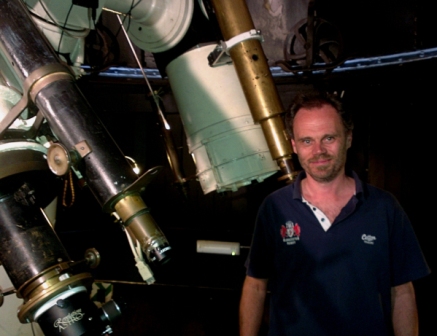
x=32, y=85
x=4, y=292
x=83, y=149
x=220, y=55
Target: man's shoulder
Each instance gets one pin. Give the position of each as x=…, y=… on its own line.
x=371, y=192
x=378, y=199
x=377, y=193
x=282, y=198
x=290, y=191
x=281, y=193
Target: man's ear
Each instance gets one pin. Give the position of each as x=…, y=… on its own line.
x=349, y=139
x=293, y=144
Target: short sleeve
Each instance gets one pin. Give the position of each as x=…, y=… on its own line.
x=260, y=260
x=408, y=262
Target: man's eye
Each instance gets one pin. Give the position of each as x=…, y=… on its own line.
x=306, y=141
x=329, y=139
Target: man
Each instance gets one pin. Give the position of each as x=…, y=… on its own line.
x=338, y=256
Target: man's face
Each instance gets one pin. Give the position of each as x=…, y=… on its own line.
x=321, y=142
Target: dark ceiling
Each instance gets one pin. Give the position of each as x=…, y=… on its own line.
x=344, y=31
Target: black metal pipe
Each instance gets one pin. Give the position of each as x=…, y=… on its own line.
x=69, y=115
x=28, y=244
x=21, y=41
x=72, y=120
x=52, y=88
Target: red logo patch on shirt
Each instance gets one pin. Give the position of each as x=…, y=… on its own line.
x=290, y=232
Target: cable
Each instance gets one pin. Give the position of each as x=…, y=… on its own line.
x=53, y=21
x=63, y=28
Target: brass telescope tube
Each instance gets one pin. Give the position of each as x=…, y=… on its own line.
x=142, y=227
x=256, y=80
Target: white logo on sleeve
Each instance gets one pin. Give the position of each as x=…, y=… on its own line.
x=368, y=239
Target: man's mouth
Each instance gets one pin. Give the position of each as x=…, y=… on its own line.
x=320, y=160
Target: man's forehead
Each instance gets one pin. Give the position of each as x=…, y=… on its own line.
x=317, y=121
x=322, y=114
x=320, y=107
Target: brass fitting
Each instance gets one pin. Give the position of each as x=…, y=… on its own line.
x=255, y=78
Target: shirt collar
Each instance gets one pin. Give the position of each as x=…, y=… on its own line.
x=297, y=192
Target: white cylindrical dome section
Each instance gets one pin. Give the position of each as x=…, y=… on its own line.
x=228, y=148
x=65, y=41
x=148, y=11
x=157, y=25
x=63, y=14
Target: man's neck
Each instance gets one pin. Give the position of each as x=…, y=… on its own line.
x=330, y=197
x=339, y=186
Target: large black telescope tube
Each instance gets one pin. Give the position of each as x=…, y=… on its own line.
x=54, y=295
x=52, y=88
x=28, y=244
x=68, y=113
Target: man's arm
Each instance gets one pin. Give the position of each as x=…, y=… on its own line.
x=252, y=305
x=405, y=319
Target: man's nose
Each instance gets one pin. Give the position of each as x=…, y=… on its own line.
x=319, y=147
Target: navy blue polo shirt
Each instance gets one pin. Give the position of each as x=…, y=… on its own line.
x=334, y=282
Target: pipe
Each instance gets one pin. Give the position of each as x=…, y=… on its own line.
x=256, y=80
x=28, y=243
x=51, y=87
x=33, y=256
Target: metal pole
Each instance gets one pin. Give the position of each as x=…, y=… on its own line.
x=256, y=79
